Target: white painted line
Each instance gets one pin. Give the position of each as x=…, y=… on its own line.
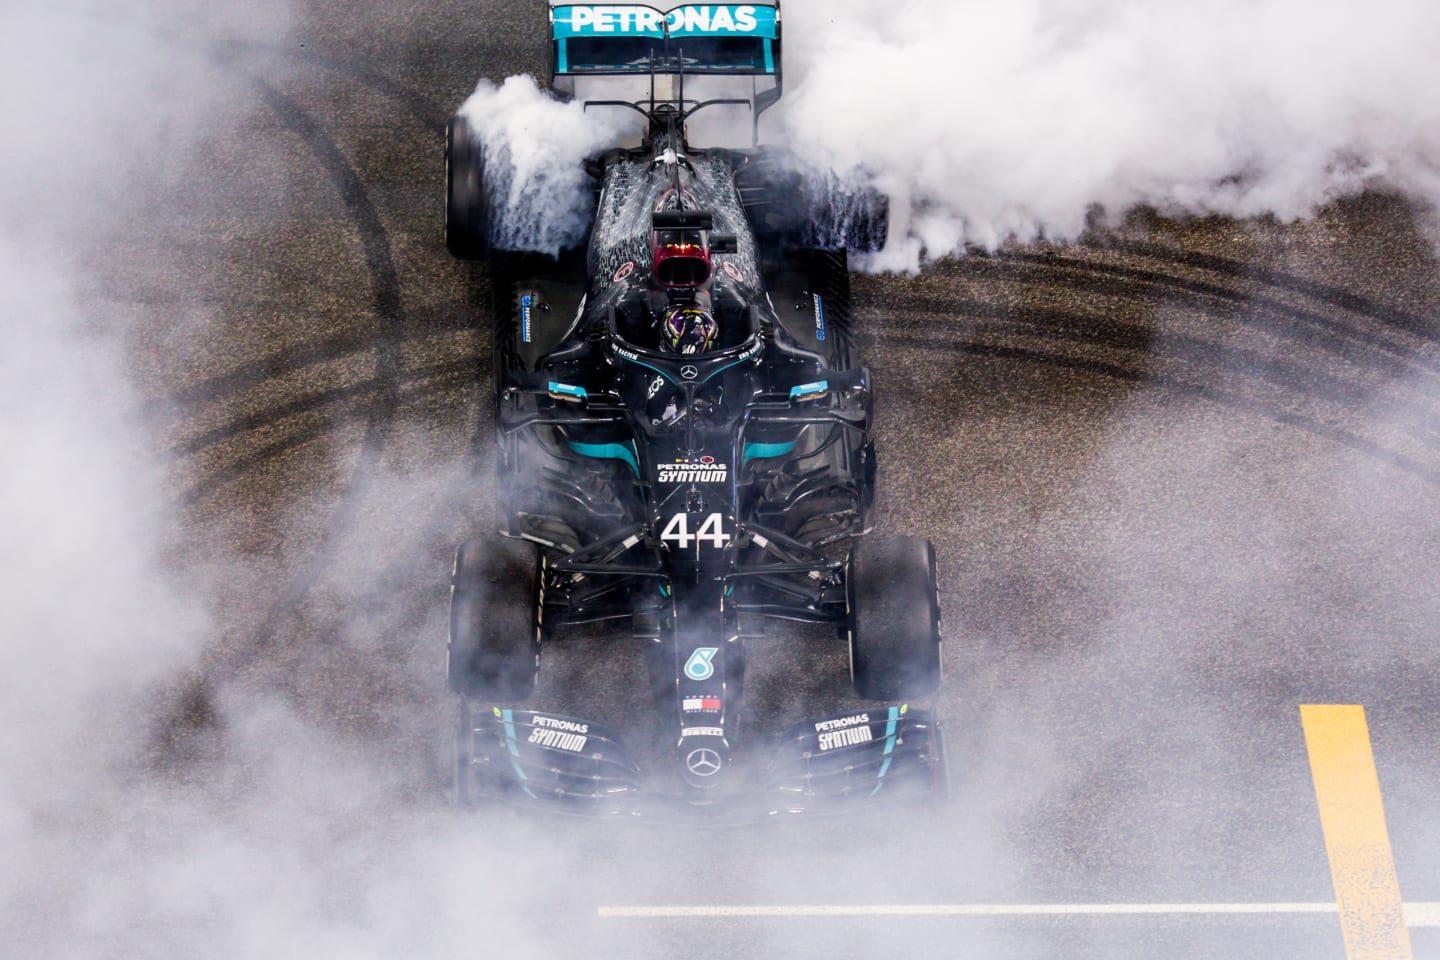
x=1422, y=914
x=1416, y=914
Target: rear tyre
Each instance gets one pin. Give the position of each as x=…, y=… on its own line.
x=467, y=206
x=494, y=631
x=856, y=218
x=793, y=206
x=894, y=618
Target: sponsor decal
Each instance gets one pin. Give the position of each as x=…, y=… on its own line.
x=712, y=531
x=703, y=470
x=699, y=666
x=836, y=724
x=701, y=704
x=525, y=303
x=689, y=372
x=847, y=737
x=706, y=732
x=819, y=317
x=701, y=19
x=627, y=268
x=559, y=740
x=589, y=21
x=703, y=762
x=555, y=723
x=627, y=354
x=623, y=20
x=654, y=388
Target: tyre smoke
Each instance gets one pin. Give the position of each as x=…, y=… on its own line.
x=304, y=817
x=92, y=621
x=987, y=121
x=535, y=148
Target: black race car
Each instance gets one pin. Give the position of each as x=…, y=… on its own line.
x=684, y=448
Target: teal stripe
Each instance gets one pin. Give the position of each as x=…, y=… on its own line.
x=890, y=725
x=563, y=66
x=761, y=450
x=890, y=730
x=509, y=720
x=608, y=451
x=769, y=56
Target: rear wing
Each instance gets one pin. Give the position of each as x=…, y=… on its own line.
x=608, y=39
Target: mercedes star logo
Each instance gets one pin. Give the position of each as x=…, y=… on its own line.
x=703, y=762
x=689, y=372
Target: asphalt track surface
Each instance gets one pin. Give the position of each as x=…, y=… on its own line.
x=1181, y=480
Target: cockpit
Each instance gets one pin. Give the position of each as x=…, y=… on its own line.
x=681, y=285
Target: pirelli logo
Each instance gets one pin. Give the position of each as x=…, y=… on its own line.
x=704, y=470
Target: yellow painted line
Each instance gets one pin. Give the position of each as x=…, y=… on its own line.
x=1347, y=789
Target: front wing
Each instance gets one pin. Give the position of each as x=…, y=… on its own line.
x=574, y=766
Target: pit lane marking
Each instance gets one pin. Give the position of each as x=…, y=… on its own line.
x=1352, y=816
x=1419, y=914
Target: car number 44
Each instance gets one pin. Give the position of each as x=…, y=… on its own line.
x=712, y=531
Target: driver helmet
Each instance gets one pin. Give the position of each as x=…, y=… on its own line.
x=688, y=329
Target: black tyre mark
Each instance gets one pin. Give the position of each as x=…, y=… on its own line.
x=1059, y=326
x=362, y=396
x=427, y=111
x=386, y=304
x=252, y=373
x=1172, y=384
x=1414, y=324
x=1245, y=306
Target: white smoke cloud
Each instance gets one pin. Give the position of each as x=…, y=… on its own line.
x=535, y=147
x=90, y=622
x=304, y=840
x=986, y=121
x=298, y=809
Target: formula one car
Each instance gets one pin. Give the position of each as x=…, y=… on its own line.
x=684, y=448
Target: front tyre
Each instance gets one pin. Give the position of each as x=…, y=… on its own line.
x=894, y=618
x=494, y=629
